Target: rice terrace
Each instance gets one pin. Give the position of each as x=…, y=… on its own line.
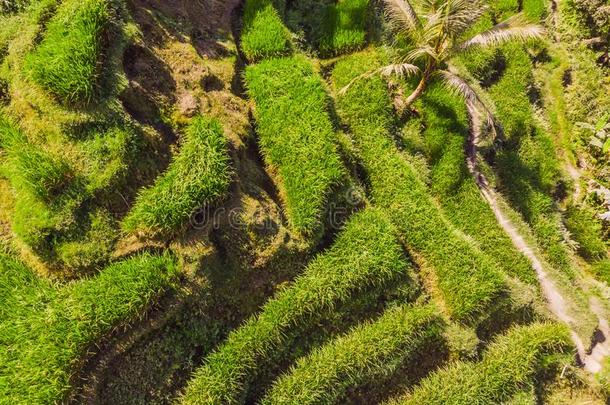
x=305, y=202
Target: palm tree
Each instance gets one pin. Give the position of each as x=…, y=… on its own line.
x=436, y=32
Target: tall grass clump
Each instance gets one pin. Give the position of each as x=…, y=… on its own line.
x=509, y=365
x=46, y=328
x=296, y=136
x=365, y=254
x=68, y=61
x=264, y=34
x=343, y=27
x=469, y=281
x=587, y=230
x=444, y=138
x=367, y=352
x=45, y=186
x=31, y=168
x=199, y=175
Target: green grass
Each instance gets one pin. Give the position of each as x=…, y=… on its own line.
x=365, y=254
x=343, y=28
x=369, y=351
x=535, y=10
x=93, y=248
x=446, y=131
x=31, y=168
x=509, y=366
x=468, y=280
x=296, y=137
x=586, y=229
x=264, y=35
x=527, y=166
x=109, y=153
x=46, y=188
x=68, y=60
x=601, y=269
x=199, y=175
x=46, y=328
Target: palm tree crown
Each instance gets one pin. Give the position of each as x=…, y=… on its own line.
x=437, y=32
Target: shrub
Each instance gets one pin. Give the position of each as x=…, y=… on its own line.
x=68, y=60
x=46, y=328
x=199, y=175
x=296, y=136
x=468, y=280
x=343, y=28
x=367, y=352
x=366, y=253
x=264, y=34
x=508, y=366
x=12, y=6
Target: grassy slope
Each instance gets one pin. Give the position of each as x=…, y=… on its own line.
x=67, y=61
x=367, y=352
x=443, y=138
x=264, y=34
x=365, y=254
x=296, y=136
x=509, y=366
x=73, y=228
x=468, y=279
x=47, y=327
x=198, y=176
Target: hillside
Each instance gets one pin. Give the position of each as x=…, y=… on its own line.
x=305, y=202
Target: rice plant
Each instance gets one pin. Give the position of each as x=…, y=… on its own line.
x=367, y=352
x=47, y=328
x=296, y=136
x=68, y=61
x=264, y=34
x=365, y=254
x=469, y=280
x=343, y=27
x=198, y=176
x=509, y=366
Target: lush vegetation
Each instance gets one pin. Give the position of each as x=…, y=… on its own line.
x=468, y=279
x=296, y=136
x=365, y=353
x=365, y=254
x=343, y=28
x=443, y=141
x=199, y=176
x=313, y=201
x=68, y=60
x=46, y=328
x=264, y=34
x=508, y=366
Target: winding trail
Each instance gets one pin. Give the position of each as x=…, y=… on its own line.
x=555, y=300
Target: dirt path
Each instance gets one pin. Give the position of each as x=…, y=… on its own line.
x=555, y=300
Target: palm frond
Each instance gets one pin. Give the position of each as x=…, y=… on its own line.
x=402, y=15
x=461, y=15
x=473, y=102
x=400, y=70
x=515, y=28
x=419, y=52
